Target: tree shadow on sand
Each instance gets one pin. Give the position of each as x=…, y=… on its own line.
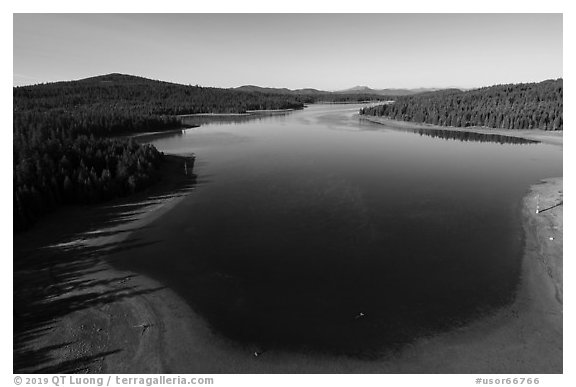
x=56, y=266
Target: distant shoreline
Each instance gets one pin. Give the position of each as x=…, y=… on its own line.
x=247, y=113
x=544, y=136
x=340, y=103
x=264, y=111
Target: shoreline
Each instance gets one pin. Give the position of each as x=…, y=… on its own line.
x=124, y=322
x=342, y=102
x=247, y=113
x=544, y=136
x=269, y=111
x=177, y=130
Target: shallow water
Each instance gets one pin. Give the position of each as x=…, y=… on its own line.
x=316, y=231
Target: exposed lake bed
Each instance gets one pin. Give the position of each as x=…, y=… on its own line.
x=354, y=248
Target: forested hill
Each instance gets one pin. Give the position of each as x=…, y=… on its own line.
x=513, y=106
x=145, y=96
x=122, y=103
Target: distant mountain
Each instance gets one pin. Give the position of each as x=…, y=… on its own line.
x=114, y=79
x=384, y=92
x=258, y=89
x=428, y=89
x=273, y=90
x=356, y=90
x=132, y=80
x=308, y=91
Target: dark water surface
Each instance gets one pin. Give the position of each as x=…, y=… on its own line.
x=302, y=222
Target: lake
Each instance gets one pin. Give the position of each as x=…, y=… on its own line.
x=316, y=231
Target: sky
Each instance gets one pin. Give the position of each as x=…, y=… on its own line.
x=322, y=51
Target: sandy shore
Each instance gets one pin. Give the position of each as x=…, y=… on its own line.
x=72, y=309
x=545, y=136
x=100, y=319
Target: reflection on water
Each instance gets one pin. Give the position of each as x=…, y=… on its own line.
x=450, y=134
x=312, y=234
x=472, y=136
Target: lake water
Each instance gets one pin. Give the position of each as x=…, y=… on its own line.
x=316, y=231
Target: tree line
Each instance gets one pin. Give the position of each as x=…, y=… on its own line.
x=512, y=106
